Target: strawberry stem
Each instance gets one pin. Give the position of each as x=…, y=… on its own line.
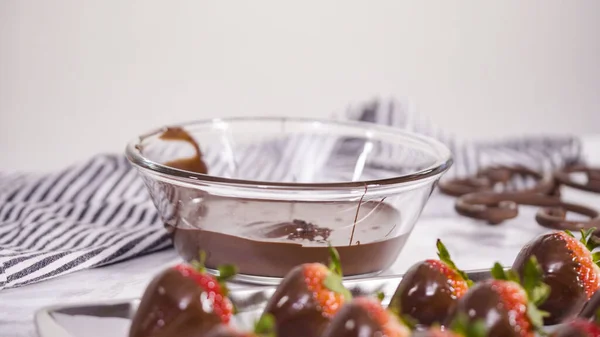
x=380, y=296
x=226, y=272
x=333, y=281
x=335, y=263
x=569, y=233
x=499, y=273
x=199, y=264
x=536, y=290
x=445, y=257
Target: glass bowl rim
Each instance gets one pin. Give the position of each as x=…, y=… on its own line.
x=442, y=163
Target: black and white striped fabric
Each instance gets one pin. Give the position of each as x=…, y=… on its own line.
x=98, y=212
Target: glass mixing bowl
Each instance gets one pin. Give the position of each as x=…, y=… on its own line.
x=267, y=194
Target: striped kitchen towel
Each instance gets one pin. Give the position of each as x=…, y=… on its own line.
x=98, y=212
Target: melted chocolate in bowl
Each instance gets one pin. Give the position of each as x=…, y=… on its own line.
x=268, y=238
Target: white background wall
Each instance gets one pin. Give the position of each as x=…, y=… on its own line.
x=80, y=76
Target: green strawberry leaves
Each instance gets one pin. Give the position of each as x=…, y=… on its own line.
x=335, y=263
x=199, y=264
x=444, y=256
x=226, y=271
x=596, y=258
x=536, y=316
x=380, y=296
x=590, y=241
x=462, y=326
x=265, y=326
x=499, y=273
x=333, y=281
x=537, y=291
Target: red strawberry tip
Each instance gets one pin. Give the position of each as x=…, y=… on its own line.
x=445, y=257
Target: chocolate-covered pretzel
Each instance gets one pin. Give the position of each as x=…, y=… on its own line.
x=593, y=178
x=497, y=207
x=488, y=178
x=478, y=198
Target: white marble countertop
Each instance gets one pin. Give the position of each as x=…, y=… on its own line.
x=473, y=245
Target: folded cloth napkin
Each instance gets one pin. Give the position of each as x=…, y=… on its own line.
x=98, y=212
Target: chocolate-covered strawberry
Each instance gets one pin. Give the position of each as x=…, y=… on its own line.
x=506, y=304
x=569, y=268
x=183, y=301
x=429, y=290
x=307, y=298
x=365, y=317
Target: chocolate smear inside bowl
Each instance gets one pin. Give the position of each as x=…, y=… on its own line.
x=267, y=194
x=228, y=232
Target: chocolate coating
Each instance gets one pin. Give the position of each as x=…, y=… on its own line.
x=353, y=321
x=591, y=307
x=295, y=309
x=568, y=331
x=424, y=294
x=567, y=296
x=481, y=302
x=172, y=305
